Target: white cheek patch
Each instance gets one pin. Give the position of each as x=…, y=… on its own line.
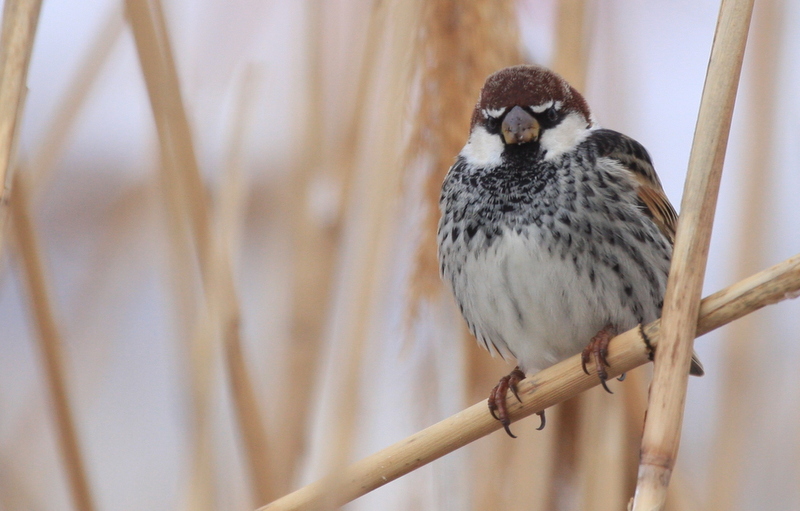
x=483, y=149
x=565, y=136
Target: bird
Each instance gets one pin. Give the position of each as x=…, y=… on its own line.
x=555, y=234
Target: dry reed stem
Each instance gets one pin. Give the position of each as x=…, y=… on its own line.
x=682, y=298
x=540, y=391
x=376, y=24
x=369, y=228
x=20, y=18
x=228, y=221
x=740, y=370
x=314, y=248
x=100, y=49
x=162, y=88
x=50, y=345
x=257, y=449
x=571, y=45
x=222, y=314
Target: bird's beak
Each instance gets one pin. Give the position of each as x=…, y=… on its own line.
x=520, y=127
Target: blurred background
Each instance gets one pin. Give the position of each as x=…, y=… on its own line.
x=234, y=203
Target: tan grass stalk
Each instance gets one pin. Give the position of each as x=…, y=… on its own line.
x=347, y=157
x=370, y=223
x=162, y=91
x=314, y=245
x=49, y=338
x=222, y=316
x=100, y=50
x=229, y=219
x=682, y=299
x=540, y=391
x=571, y=45
x=740, y=360
x=20, y=18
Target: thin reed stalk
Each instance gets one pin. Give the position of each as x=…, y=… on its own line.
x=375, y=190
x=228, y=221
x=162, y=91
x=49, y=338
x=662, y=430
x=20, y=19
x=314, y=245
x=570, y=60
x=542, y=390
x=221, y=315
x=70, y=105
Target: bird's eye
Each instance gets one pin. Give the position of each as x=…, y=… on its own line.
x=552, y=114
x=492, y=124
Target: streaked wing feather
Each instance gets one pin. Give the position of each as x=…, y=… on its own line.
x=633, y=157
x=658, y=208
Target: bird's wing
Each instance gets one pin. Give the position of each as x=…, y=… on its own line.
x=633, y=157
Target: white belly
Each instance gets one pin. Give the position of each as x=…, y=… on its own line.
x=530, y=304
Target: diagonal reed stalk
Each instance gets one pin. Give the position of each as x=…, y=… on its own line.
x=222, y=317
x=662, y=429
x=162, y=90
x=553, y=385
x=44, y=159
x=228, y=220
x=20, y=19
x=372, y=209
x=50, y=345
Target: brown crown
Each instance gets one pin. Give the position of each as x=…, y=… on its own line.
x=527, y=86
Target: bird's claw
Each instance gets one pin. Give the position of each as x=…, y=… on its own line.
x=597, y=349
x=497, y=398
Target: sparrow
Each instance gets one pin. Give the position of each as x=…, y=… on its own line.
x=554, y=232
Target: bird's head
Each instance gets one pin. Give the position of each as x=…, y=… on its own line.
x=526, y=105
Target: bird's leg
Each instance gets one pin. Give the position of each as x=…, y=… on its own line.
x=497, y=399
x=597, y=349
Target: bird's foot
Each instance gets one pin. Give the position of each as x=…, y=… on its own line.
x=497, y=399
x=597, y=349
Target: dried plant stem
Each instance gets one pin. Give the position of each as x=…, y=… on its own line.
x=374, y=191
x=100, y=50
x=50, y=345
x=222, y=316
x=570, y=56
x=228, y=222
x=553, y=385
x=662, y=430
x=314, y=242
x=20, y=18
x=163, y=88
